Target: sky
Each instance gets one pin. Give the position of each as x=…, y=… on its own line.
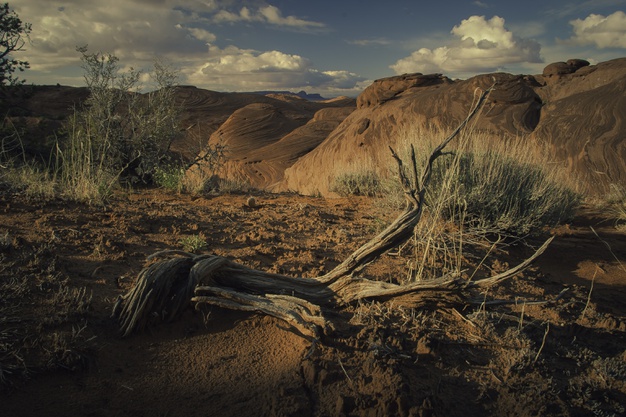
x=329, y=47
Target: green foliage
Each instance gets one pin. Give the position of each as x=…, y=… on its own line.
x=170, y=177
x=12, y=34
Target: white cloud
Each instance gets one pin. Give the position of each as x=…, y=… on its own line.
x=267, y=14
x=480, y=46
x=235, y=69
x=179, y=31
x=201, y=34
x=370, y=42
x=601, y=31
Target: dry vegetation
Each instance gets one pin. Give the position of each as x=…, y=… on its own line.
x=547, y=341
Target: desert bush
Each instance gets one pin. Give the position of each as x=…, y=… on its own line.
x=357, y=179
x=198, y=175
x=117, y=134
x=233, y=186
x=497, y=184
x=485, y=186
x=33, y=180
x=615, y=204
x=170, y=177
x=29, y=176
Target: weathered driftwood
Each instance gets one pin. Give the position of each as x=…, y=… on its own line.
x=167, y=287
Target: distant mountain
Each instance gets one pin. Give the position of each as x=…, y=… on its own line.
x=302, y=94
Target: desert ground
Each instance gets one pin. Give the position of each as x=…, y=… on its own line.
x=63, y=264
x=549, y=341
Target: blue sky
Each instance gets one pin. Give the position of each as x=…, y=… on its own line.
x=328, y=47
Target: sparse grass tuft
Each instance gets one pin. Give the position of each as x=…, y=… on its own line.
x=230, y=186
x=193, y=243
x=615, y=203
x=365, y=183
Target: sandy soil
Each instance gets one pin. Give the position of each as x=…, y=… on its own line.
x=63, y=264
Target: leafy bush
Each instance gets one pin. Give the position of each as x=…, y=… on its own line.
x=170, y=177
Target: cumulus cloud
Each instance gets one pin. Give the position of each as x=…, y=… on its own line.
x=236, y=69
x=480, y=45
x=267, y=14
x=601, y=31
x=182, y=32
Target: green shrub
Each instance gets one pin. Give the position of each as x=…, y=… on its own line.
x=170, y=177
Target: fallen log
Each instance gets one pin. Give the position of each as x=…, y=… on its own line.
x=166, y=288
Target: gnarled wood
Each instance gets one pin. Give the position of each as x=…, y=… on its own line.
x=164, y=289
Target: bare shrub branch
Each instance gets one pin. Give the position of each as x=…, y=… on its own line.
x=164, y=289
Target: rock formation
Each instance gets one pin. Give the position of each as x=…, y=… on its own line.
x=578, y=109
x=283, y=142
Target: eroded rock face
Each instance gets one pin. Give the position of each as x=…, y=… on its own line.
x=562, y=68
x=581, y=113
x=386, y=89
x=263, y=139
x=282, y=142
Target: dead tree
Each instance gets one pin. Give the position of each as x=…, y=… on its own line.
x=166, y=288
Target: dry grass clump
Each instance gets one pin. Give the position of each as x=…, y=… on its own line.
x=358, y=179
x=507, y=185
x=234, y=186
x=615, y=204
x=483, y=188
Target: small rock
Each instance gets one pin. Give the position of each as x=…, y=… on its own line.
x=251, y=202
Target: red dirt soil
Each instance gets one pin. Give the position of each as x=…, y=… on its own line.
x=63, y=264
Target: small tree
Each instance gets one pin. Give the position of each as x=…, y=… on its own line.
x=12, y=39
